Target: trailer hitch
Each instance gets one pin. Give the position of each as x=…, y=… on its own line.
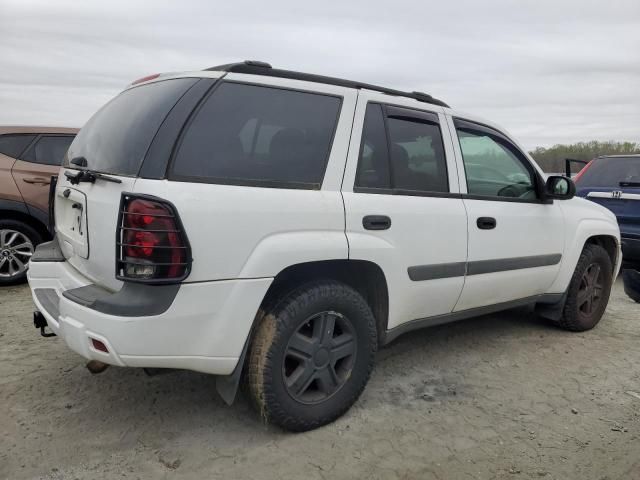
x=40, y=322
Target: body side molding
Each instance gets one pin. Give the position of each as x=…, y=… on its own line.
x=459, y=269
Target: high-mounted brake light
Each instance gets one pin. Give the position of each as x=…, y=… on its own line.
x=145, y=79
x=151, y=245
x=582, y=171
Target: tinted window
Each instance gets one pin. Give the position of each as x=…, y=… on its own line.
x=416, y=151
x=494, y=167
x=611, y=172
x=115, y=140
x=14, y=145
x=246, y=134
x=417, y=156
x=373, y=165
x=49, y=150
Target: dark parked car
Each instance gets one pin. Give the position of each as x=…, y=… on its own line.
x=29, y=157
x=614, y=182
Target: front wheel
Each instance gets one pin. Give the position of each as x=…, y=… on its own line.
x=589, y=290
x=312, y=355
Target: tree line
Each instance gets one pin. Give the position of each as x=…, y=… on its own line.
x=552, y=159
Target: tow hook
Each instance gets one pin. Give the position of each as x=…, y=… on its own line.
x=40, y=322
x=96, y=366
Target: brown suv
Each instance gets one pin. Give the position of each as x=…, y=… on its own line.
x=29, y=156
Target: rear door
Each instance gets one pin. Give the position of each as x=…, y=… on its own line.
x=11, y=146
x=116, y=141
x=402, y=203
x=37, y=164
x=516, y=240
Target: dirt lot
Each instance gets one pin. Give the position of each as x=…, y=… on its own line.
x=503, y=396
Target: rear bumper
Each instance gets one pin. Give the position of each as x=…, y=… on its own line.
x=204, y=327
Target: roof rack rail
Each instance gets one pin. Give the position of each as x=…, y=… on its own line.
x=256, y=67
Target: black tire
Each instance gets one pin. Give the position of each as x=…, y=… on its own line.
x=579, y=312
x=274, y=359
x=631, y=280
x=31, y=234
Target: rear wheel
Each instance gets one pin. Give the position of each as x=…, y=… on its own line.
x=631, y=279
x=17, y=244
x=589, y=290
x=312, y=355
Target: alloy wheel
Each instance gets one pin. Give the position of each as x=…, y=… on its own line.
x=15, y=252
x=319, y=357
x=590, y=289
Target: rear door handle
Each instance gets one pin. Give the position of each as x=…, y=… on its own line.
x=486, y=223
x=376, y=222
x=37, y=180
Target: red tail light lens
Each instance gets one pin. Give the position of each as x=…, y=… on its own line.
x=151, y=245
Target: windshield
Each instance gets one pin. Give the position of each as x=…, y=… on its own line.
x=611, y=172
x=115, y=140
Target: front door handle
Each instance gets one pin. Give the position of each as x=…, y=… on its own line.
x=37, y=180
x=376, y=222
x=486, y=223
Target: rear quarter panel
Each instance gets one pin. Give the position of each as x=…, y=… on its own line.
x=253, y=232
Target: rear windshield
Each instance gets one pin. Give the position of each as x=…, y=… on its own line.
x=611, y=172
x=115, y=140
x=262, y=136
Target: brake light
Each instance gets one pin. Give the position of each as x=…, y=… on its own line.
x=581, y=172
x=151, y=245
x=145, y=79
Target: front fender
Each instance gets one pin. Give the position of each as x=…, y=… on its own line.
x=575, y=240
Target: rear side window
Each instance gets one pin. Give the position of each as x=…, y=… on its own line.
x=373, y=166
x=116, y=139
x=263, y=136
x=14, y=145
x=611, y=172
x=49, y=150
x=407, y=157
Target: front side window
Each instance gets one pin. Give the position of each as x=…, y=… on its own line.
x=493, y=166
x=255, y=135
x=401, y=150
x=49, y=150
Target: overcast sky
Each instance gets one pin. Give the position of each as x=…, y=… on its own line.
x=549, y=71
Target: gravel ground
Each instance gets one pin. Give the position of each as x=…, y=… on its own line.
x=502, y=396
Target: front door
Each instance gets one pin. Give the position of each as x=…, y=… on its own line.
x=403, y=210
x=516, y=240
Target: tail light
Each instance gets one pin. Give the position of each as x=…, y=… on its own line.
x=151, y=245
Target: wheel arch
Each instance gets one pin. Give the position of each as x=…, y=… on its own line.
x=366, y=277
x=595, y=231
x=20, y=216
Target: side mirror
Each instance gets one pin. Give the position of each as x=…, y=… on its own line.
x=560, y=188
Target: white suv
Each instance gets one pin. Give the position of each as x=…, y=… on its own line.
x=280, y=226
